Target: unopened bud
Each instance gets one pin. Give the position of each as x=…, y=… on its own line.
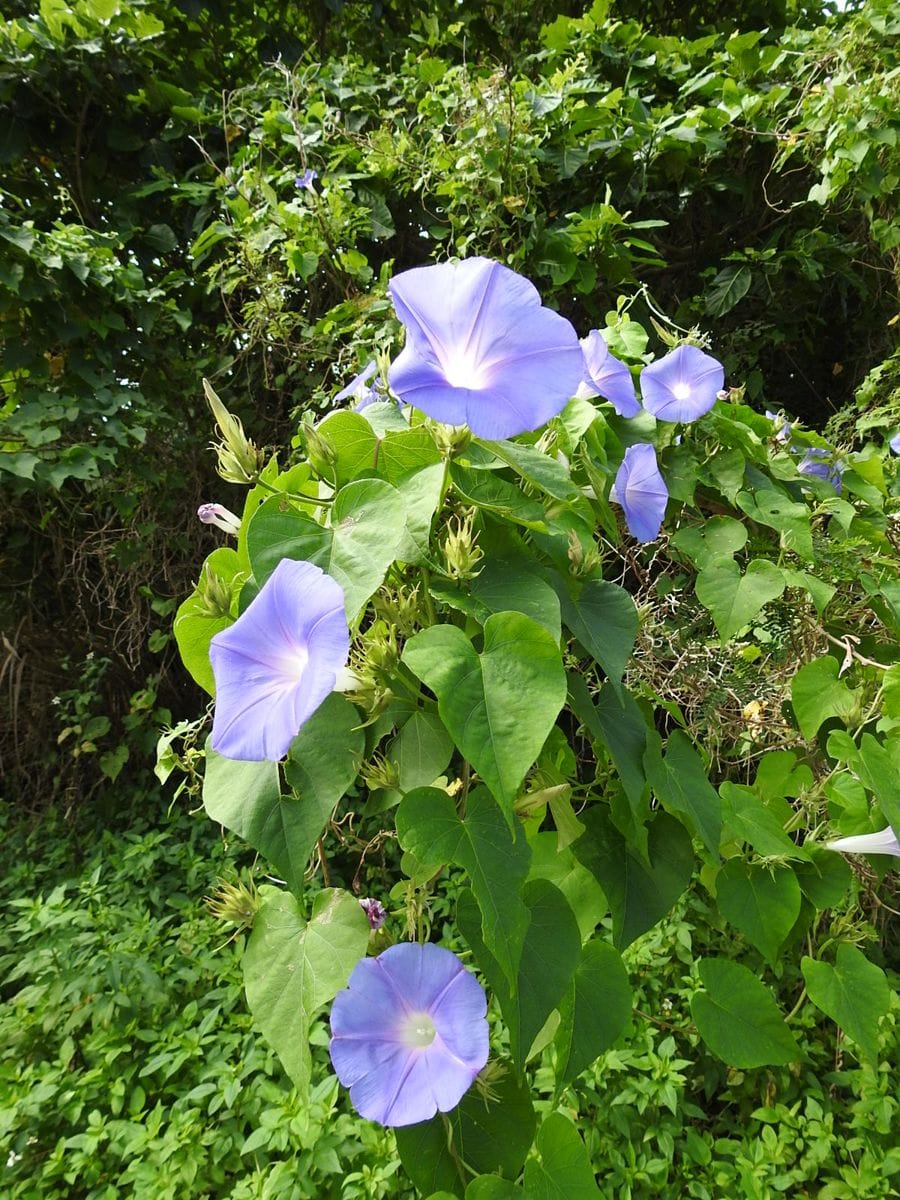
x=451, y=440
x=239, y=459
x=381, y=773
x=320, y=454
x=461, y=550
x=214, y=592
x=532, y=802
x=221, y=517
x=235, y=903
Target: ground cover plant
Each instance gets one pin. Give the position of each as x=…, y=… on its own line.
x=545, y=799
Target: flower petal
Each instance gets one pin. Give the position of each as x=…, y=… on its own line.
x=683, y=385
x=883, y=842
x=607, y=377
x=642, y=492
x=276, y=664
x=480, y=348
x=390, y=1079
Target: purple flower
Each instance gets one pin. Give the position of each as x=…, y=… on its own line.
x=409, y=1033
x=821, y=464
x=374, y=910
x=480, y=350
x=683, y=385
x=642, y=492
x=883, y=842
x=276, y=664
x=605, y=376
x=220, y=516
x=359, y=389
x=894, y=443
x=307, y=179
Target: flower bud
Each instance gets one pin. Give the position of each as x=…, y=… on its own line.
x=221, y=517
x=214, y=593
x=461, y=551
x=375, y=912
x=381, y=773
x=239, y=459
x=235, y=903
x=451, y=440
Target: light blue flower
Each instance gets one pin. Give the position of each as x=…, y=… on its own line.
x=683, y=385
x=642, y=492
x=481, y=350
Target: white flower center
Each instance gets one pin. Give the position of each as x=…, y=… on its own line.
x=681, y=391
x=294, y=664
x=418, y=1031
x=462, y=371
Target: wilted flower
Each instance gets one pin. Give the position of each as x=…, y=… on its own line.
x=605, y=376
x=883, y=842
x=220, y=516
x=683, y=385
x=359, y=389
x=307, y=179
x=821, y=464
x=374, y=910
x=409, y=1034
x=642, y=492
x=481, y=350
x=782, y=426
x=276, y=664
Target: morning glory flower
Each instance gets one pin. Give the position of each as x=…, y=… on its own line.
x=307, y=179
x=359, y=389
x=481, y=350
x=894, y=443
x=642, y=492
x=782, y=426
x=408, y=1034
x=220, y=516
x=819, y=463
x=276, y=664
x=605, y=376
x=884, y=842
x=683, y=385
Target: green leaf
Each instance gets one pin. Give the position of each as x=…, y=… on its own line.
x=422, y=750
x=734, y=599
x=563, y=1170
x=879, y=770
x=499, y=705
x=728, y=288
x=680, y=784
x=491, y=1187
x=489, y=1136
x=485, y=490
x=595, y=1011
x=421, y=493
x=603, y=618
x=550, y=954
x=747, y=819
x=817, y=695
x=616, y=721
x=561, y=868
x=509, y=586
x=246, y=797
x=292, y=967
x=718, y=539
x=367, y=526
x=854, y=992
x=639, y=894
x=352, y=442
x=824, y=880
x=738, y=1018
x=495, y=861
x=762, y=902
x=536, y=468
x=194, y=626
x=770, y=506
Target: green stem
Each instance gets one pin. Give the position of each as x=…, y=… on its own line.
x=314, y=500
